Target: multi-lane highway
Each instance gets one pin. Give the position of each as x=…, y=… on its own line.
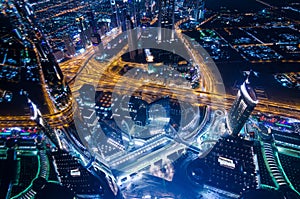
x=106, y=78
x=105, y=75
x=70, y=68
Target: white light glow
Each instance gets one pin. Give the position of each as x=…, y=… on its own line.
x=246, y=94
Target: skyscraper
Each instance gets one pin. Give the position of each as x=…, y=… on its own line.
x=132, y=37
x=242, y=107
x=36, y=110
x=199, y=10
x=166, y=20
x=83, y=29
x=28, y=68
x=69, y=44
x=196, y=8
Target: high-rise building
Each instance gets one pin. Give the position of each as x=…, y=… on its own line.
x=199, y=10
x=242, y=107
x=84, y=31
x=92, y=22
x=28, y=67
x=196, y=8
x=36, y=109
x=132, y=38
x=166, y=20
x=69, y=45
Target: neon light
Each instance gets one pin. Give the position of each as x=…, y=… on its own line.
x=283, y=125
x=4, y=133
x=30, y=186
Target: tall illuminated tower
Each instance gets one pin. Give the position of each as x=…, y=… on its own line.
x=82, y=28
x=132, y=38
x=199, y=10
x=166, y=20
x=28, y=66
x=36, y=109
x=242, y=107
x=69, y=44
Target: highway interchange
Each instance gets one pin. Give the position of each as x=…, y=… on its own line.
x=105, y=76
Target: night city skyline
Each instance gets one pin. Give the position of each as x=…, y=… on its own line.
x=146, y=99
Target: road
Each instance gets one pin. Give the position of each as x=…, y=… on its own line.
x=105, y=76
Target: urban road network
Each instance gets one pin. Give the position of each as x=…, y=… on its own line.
x=106, y=79
x=126, y=153
x=105, y=76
